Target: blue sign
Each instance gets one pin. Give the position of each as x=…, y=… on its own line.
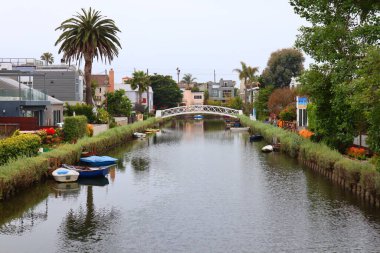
x=302, y=101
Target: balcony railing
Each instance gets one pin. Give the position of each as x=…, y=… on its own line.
x=22, y=94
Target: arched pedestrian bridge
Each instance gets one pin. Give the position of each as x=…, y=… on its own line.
x=198, y=109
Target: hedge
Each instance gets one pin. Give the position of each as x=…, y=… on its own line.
x=352, y=171
x=20, y=145
x=74, y=128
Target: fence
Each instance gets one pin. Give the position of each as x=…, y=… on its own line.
x=8, y=129
x=23, y=123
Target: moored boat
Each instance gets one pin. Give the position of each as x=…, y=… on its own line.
x=139, y=135
x=267, y=149
x=235, y=129
x=198, y=116
x=65, y=175
x=96, y=161
x=89, y=172
x=151, y=130
x=255, y=137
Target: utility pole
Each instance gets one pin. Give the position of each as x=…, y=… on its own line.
x=214, y=76
x=178, y=71
x=147, y=91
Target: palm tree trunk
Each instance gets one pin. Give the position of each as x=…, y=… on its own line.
x=87, y=78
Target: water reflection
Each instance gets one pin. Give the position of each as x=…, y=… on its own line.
x=21, y=214
x=84, y=228
x=140, y=163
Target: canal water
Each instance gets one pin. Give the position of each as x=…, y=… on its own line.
x=194, y=187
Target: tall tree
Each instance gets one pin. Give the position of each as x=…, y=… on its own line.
x=118, y=104
x=337, y=39
x=282, y=65
x=48, y=58
x=88, y=35
x=249, y=77
x=188, y=79
x=140, y=80
x=166, y=92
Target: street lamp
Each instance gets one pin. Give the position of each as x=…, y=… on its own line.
x=178, y=71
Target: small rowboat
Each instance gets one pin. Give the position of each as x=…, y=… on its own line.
x=267, y=149
x=96, y=161
x=255, y=137
x=237, y=129
x=139, y=135
x=89, y=172
x=65, y=175
x=151, y=130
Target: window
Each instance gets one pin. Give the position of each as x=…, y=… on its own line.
x=56, y=117
x=227, y=93
x=197, y=97
x=215, y=93
x=100, y=90
x=225, y=84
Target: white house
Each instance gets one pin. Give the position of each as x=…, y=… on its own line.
x=133, y=95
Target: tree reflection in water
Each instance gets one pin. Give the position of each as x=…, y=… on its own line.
x=84, y=229
x=140, y=163
x=23, y=212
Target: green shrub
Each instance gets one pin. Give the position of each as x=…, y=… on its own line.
x=103, y=116
x=74, y=128
x=289, y=113
x=19, y=145
x=81, y=109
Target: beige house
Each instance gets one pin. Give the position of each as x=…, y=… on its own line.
x=192, y=98
x=105, y=83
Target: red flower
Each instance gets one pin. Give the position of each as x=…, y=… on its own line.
x=49, y=131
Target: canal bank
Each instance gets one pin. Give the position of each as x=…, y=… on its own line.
x=358, y=177
x=24, y=172
x=193, y=187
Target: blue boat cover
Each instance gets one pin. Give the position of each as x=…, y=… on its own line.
x=98, y=160
x=62, y=172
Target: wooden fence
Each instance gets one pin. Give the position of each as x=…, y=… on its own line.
x=24, y=123
x=8, y=129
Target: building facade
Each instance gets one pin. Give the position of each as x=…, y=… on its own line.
x=104, y=83
x=20, y=100
x=192, y=98
x=133, y=95
x=63, y=82
x=222, y=91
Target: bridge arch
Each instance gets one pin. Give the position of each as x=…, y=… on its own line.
x=198, y=109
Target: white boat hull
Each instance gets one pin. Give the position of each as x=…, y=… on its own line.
x=139, y=135
x=237, y=129
x=267, y=148
x=65, y=175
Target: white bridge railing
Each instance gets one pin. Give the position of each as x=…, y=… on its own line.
x=198, y=109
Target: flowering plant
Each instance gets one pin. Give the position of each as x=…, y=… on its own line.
x=50, y=135
x=358, y=153
x=306, y=133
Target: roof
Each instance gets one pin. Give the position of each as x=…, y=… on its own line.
x=100, y=79
x=127, y=87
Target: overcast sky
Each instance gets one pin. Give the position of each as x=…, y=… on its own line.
x=197, y=36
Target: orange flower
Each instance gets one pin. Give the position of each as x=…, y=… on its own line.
x=358, y=153
x=305, y=133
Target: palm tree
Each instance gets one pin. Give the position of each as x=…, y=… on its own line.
x=188, y=79
x=141, y=81
x=248, y=75
x=89, y=35
x=48, y=58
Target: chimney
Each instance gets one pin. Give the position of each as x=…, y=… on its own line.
x=111, y=80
